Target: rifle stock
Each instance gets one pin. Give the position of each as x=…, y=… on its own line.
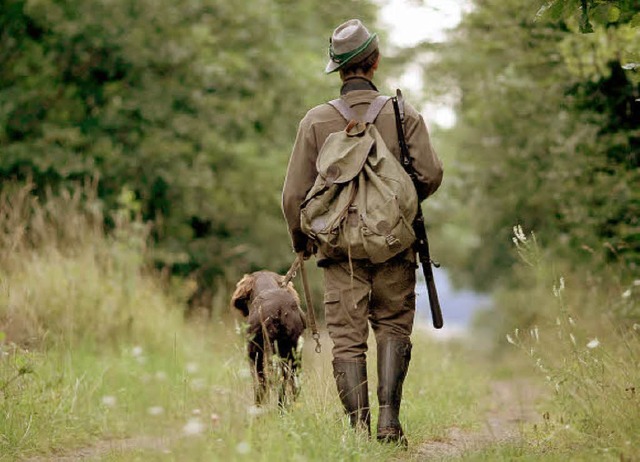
x=422, y=242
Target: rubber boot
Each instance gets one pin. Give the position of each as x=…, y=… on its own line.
x=394, y=355
x=351, y=380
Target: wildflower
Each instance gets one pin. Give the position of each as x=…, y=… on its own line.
x=593, y=343
x=137, y=351
x=626, y=293
x=193, y=427
x=196, y=412
x=215, y=419
x=636, y=282
x=636, y=327
x=573, y=339
x=571, y=321
x=192, y=367
x=254, y=411
x=557, y=290
x=510, y=339
x=519, y=234
x=109, y=401
x=243, y=448
x=155, y=410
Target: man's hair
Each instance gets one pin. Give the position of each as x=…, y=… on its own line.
x=363, y=66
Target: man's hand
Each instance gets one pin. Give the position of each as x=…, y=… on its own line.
x=303, y=245
x=309, y=250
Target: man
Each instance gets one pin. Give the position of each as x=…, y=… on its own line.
x=358, y=292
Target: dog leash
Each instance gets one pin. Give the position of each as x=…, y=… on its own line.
x=298, y=263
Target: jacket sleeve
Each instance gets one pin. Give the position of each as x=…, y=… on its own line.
x=301, y=175
x=426, y=163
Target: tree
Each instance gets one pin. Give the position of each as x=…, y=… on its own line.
x=547, y=134
x=184, y=111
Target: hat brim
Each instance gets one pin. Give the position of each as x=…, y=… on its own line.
x=332, y=66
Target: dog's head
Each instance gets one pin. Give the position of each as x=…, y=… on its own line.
x=252, y=284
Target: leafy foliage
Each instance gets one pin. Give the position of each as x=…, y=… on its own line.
x=185, y=112
x=547, y=136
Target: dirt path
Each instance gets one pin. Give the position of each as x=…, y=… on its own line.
x=511, y=407
x=102, y=448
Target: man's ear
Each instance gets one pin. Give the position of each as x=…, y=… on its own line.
x=375, y=65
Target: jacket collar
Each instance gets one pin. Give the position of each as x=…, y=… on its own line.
x=356, y=83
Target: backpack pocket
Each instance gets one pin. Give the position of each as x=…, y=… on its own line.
x=385, y=231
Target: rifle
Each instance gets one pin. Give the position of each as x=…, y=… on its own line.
x=422, y=243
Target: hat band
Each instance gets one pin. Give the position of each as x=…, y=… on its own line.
x=344, y=57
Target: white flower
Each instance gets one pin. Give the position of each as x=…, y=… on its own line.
x=196, y=412
x=136, y=351
x=243, y=448
x=254, y=411
x=192, y=367
x=193, y=427
x=593, y=343
x=519, y=234
x=155, y=410
x=109, y=401
x=557, y=290
x=510, y=339
x=636, y=326
x=626, y=293
x=215, y=419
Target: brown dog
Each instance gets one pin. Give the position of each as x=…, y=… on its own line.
x=275, y=326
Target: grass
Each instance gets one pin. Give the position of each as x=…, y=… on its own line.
x=96, y=360
x=77, y=398
x=580, y=334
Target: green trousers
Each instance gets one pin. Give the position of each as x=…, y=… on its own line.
x=359, y=293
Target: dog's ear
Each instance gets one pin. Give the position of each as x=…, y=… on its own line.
x=242, y=295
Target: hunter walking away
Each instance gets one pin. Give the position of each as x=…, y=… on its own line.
x=348, y=200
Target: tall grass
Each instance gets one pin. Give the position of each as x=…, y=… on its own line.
x=63, y=279
x=585, y=342
x=97, y=362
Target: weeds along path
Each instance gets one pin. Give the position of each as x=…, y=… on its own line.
x=510, y=407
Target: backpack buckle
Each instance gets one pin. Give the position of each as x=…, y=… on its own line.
x=392, y=240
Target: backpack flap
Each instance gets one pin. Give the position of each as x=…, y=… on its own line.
x=343, y=154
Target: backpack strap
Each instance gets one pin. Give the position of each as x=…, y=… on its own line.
x=374, y=109
x=345, y=110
